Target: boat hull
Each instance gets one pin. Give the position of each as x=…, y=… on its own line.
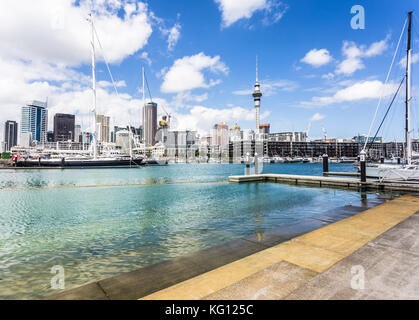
x=395, y=172
x=83, y=163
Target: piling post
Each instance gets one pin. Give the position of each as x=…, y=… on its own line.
x=247, y=164
x=325, y=164
x=256, y=164
x=363, y=166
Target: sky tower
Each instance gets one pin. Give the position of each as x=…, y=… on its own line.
x=257, y=94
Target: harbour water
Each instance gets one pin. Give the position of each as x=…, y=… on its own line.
x=98, y=232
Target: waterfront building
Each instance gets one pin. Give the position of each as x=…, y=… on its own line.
x=363, y=138
x=64, y=127
x=103, y=128
x=10, y=134
x=265, y=128
x=34, y=124
x=77, y=133
x=116, y=129
x=288, y=137
x=150, y=123
x=26, y=139
x=122, y=141
x=50, y=136
x=220, y=134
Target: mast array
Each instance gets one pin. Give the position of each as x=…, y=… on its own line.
x=408, y=89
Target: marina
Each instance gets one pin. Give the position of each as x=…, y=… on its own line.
x=117, y=213
x=154, y=153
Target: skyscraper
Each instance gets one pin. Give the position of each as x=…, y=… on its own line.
x=35, y=121
x=103, y=127
x=10, y=134
x=150, y=123
x=257, y=94
x=77, y=133
x=64, y=127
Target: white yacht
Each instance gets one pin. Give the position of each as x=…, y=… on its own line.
x=408, y=170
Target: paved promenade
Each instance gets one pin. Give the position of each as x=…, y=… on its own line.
x=382, y=243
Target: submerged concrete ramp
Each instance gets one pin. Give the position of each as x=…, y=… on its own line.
x=380, y=243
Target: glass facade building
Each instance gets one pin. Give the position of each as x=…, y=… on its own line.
x=35, y=121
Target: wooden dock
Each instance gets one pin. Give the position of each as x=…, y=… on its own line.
x=327, y=181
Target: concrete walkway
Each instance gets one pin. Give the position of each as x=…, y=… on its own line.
x=382, y=242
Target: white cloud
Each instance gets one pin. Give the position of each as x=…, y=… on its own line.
x=40, y=50
x=415, y=59
x=328, y=76
x=57, y=31
x=317, y=117
x=174, y=35
x=357, y=91
x=317, y=58
x=354, y=55
x=233, y=10
x=270, y=88
x=202, y=118
x=188, y=73
x=107, y=84
x=144, y=56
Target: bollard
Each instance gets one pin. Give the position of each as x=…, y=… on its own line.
x=247, y=169
x=247, y=165
x=398, y=160
x=325, y=163
x=256, y=164
x=363, y=166
x=382, y=160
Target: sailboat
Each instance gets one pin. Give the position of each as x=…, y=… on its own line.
x=87, y=162
x=409, y=170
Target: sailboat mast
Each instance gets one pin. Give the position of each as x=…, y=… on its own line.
x=94, y=89
x=144, y=119
x=408, y=97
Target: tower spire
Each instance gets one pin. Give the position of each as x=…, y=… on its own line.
x=257, y=94
x=257, y=70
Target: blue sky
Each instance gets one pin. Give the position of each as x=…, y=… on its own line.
x=200, y=61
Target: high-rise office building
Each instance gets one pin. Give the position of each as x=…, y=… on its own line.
x=220, y=134
x=77, y=133
x=34, y=125
x=150, y=123
x=103, y=128
x=64, y=127
x=10, y=134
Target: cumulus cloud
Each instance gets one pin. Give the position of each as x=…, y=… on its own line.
x=317, y=58
x=57, y=31
x=40, y=53
x=202, y=118
x=354, y=55
x=357, y=91
x=233, y=10
x=187, y=73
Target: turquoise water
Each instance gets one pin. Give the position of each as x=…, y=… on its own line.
x=96, y=233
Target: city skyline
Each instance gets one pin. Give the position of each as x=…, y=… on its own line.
x=330, y=79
